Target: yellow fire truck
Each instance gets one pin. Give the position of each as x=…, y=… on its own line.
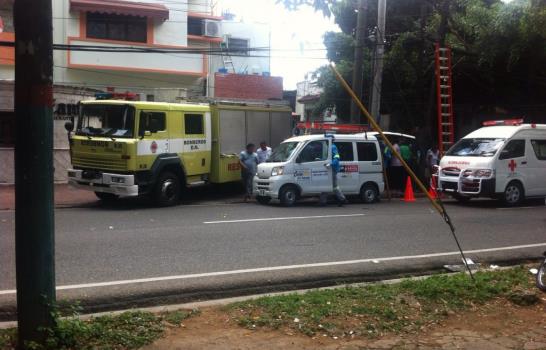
x=133, y=148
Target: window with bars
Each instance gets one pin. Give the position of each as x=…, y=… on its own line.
x=117, y=27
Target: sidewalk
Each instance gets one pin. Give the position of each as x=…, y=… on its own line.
x=65, y=196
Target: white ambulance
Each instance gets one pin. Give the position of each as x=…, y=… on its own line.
x=299, y=167
x=506, y=160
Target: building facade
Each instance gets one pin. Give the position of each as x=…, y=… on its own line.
x=112, y=26
x=307, y=96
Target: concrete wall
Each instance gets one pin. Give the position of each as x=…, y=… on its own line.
x=258, y=35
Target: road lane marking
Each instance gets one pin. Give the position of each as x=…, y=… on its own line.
x=286, y=267
x=283, y=218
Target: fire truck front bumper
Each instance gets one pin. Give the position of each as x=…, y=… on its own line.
x=97, y=181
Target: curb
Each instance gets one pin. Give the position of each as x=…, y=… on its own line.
x=230, y=300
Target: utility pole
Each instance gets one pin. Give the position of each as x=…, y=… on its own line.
x=360, y=37
x=378, y=59
x=34, y=216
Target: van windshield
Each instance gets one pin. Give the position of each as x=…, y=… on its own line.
x=475, y=147
x=106, y=120
x=283, y=152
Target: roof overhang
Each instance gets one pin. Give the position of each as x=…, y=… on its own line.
x=309, y=98
x=119, y=7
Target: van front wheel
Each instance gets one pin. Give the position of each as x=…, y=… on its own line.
x=513, y=194
x=167, y=189
x=288, y=196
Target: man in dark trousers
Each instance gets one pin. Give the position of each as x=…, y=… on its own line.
x=249, y=164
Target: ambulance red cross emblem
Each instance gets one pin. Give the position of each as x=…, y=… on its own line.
x=512, y=165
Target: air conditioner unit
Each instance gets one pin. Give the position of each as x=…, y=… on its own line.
x=212, y=28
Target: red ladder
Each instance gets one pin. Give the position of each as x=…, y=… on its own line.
x=444, y=98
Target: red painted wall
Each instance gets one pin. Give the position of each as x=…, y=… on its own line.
x=253, y=87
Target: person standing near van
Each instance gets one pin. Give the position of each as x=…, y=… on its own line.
x=263, y=152
x=397, y=170
x=433, y=159
x=336, y=168
x=405, y=152
x=249, y=164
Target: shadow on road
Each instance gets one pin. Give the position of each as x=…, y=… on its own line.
x=484, y=203
x=217, y=194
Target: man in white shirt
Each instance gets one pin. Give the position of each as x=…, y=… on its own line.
x=263, y=152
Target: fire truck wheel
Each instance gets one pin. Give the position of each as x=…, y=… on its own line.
x=167, y=189
x=106, y=197
x=513, y=194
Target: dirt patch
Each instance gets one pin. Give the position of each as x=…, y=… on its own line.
x=496, y=325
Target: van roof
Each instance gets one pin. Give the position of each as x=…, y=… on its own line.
x=390, y=133
x=503, y=131
x=343, y=137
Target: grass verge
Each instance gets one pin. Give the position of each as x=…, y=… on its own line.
x=378, y=309
x=128, y=330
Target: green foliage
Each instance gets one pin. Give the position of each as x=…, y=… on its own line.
x=128, y=330
x=8, y=338
x=379, y=308
x=499, y=55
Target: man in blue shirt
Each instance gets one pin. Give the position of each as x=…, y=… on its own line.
x=335, y=165
x=336, y=168
x=249, y=164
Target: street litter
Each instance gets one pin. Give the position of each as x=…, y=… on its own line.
x=110, y=227
x=460, y=267
x=296, y=320
x=493, y=267
x=533, y=271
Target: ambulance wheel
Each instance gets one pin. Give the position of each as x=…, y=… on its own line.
x=369, y=193
x=263, y=199
x=167, y=189
x=288, y=196
x=513, y=194
x=106, y=197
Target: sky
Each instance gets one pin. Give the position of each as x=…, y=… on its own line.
x=296, y=36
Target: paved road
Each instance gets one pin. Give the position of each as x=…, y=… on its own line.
x=124, y=244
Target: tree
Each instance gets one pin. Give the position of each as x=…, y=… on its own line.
x=499, y=56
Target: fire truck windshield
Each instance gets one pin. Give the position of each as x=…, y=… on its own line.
x=106, y=120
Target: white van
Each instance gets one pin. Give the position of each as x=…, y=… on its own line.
x=298, y=168
x=501, y=161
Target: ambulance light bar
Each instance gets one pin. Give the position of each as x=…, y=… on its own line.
x=509, y=122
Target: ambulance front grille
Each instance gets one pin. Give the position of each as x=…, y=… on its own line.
x=97, y=163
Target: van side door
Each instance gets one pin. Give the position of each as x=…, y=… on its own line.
x=310, y=169
x=348, y=175
x=537, y=164
x=513, y=165
x=370, y=167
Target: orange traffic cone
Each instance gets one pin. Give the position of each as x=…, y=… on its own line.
x=408, y=194
x=432, y=190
